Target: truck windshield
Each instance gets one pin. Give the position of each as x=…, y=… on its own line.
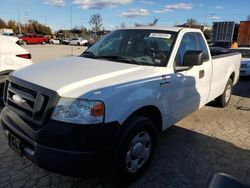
x=143, y=47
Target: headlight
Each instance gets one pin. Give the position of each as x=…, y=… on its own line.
x=78, y=111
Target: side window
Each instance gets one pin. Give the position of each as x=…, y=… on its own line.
x=188, y=43
x=202, y=46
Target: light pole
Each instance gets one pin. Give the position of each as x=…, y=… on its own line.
x=18, y=17
x=71, y=27
x=205, y=20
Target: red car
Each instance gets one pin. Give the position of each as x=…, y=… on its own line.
x=34, y=39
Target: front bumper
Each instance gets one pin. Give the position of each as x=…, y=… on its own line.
x=62, y=147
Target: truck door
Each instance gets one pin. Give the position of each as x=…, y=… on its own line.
x=195, y=80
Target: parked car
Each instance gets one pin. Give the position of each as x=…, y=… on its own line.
x=54, y=41
x=245, y=63
x=65, y=41
x=15, y=39
x=34, y=39
x=116, y=97
x=78, y=41
x=12, y=57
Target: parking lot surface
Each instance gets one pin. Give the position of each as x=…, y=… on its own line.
x=210, y=141
x=46, y=52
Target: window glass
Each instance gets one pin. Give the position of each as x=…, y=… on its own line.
x=202, y=46
x=187, y=43
x=144, y=47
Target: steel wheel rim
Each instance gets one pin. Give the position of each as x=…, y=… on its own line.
x=138, y=151
x=228, y=93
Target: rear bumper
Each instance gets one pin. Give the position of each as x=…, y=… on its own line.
x=62, y=147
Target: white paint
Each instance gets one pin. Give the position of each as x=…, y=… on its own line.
x=124, y=88
x=160, y=35
x=8, y=51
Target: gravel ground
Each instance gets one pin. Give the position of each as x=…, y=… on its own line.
x=209, y=141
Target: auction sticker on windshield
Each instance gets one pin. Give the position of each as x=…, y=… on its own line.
x=160, y=35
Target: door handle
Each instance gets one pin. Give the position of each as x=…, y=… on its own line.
x=201, y=74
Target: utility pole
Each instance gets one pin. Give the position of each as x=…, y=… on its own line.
x=45, y=19
x=18, y=17
x=205, y=20
x=71, y=27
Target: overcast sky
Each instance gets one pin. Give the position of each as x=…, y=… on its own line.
x=56, y=13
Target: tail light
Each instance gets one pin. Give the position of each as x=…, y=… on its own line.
x=25, y=56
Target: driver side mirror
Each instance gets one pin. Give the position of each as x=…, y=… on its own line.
x=192, y=58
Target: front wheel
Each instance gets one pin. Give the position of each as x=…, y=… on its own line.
x=224, y=99
x=136, y=148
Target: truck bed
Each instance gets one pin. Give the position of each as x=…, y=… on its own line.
x=222, y=60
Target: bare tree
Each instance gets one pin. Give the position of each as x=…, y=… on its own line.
x=207, y=33
x=96, y=22
x=191, y=22
x=154, y=23
x=150, y=24
x=2, y=23
x=123, y=25
x=248, y=18
x=11, y=24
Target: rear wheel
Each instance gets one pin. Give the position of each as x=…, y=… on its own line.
x=136, y=148
x=43, y=42
x=224, y=99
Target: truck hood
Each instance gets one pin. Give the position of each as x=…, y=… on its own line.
x=75, y=76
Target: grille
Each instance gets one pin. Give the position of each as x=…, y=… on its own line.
x=29, y=101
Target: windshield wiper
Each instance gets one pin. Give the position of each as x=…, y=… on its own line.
x=122, y=58
x=88, y=54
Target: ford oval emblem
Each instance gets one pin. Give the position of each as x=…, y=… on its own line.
x=18, y=99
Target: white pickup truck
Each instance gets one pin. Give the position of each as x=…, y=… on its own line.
x=110, y=102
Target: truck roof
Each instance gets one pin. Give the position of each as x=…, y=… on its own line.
x=174, y=29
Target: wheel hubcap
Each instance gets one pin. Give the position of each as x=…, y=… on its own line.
x=138, y=151
x=228, y=93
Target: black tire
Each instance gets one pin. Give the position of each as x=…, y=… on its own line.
x=224, y=99
x=136, y=127
x=78, y=44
